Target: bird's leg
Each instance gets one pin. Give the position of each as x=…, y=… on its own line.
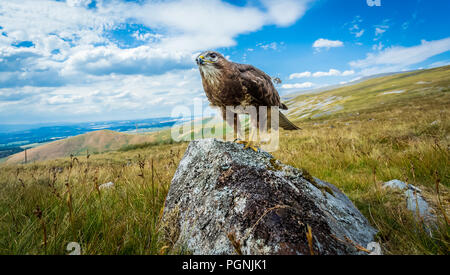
x=253, y=129
x=232, y=119
x=264, y=127
x=239, y=138
x=237, y=129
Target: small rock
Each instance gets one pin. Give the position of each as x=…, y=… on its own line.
x=395, y=184
x=106, y=185
x=414, y=200
x=375, y=248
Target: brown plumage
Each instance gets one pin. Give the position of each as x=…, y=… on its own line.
x=232, y=84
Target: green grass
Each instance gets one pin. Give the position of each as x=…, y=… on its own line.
x=372, y=139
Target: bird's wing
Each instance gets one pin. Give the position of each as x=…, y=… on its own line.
x=259, y=85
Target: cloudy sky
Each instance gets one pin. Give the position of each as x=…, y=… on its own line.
x=92, y=60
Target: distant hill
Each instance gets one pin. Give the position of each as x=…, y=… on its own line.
x=98, y=141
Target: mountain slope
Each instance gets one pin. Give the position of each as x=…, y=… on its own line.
x=98, y=141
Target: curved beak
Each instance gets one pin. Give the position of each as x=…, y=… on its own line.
x=200, y=60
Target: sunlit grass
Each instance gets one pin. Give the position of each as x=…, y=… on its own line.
x=119, y=220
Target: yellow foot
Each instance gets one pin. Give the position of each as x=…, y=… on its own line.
x=248, y=144
x=252, y=146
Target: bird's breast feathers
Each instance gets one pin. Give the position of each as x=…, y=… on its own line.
x=211, y=75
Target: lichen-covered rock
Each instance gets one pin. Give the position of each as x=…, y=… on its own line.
x=226, y=200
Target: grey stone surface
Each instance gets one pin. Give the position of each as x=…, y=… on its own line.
x=414, y=200
x=226, y=200
x=107, y=185
x=396, y=184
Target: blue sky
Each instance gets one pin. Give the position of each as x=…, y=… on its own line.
x=86, y=60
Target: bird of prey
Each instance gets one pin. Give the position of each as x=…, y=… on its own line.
x=231, y=84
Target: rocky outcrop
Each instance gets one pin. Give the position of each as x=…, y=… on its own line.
x=227, y=200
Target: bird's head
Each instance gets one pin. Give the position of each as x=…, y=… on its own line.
x=210, y=58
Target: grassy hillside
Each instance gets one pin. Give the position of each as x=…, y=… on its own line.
x=374, y=136
x=374, y=94
x=94, y=142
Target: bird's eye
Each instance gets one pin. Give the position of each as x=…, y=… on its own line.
x=213, y=55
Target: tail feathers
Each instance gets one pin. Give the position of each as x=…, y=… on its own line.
x=286, y=124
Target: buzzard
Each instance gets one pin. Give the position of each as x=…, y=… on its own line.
x=231, y=84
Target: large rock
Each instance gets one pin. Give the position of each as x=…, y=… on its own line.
x=226, y=200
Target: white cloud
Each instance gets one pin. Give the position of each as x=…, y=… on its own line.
x=78, y=3
x=105, y=97
x=378, y=47
x=359, y=34
x=348, y=72
x=405, y=55
x=325, y=43
x=355, y=28
x=286, y=12
x=380, y=29
x=331, y=72
x=184, y=26
x=197, y=24
x=140, y=60
x=273, y=45
x=303, y=85
x=146, y=36
x=439, y=64
x=399, y=58
x=300, y=75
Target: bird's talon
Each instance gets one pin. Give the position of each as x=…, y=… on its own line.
x=238, y=141
x=251, y=146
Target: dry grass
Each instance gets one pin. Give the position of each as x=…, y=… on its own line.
x=64, y=197
x=358, y=153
